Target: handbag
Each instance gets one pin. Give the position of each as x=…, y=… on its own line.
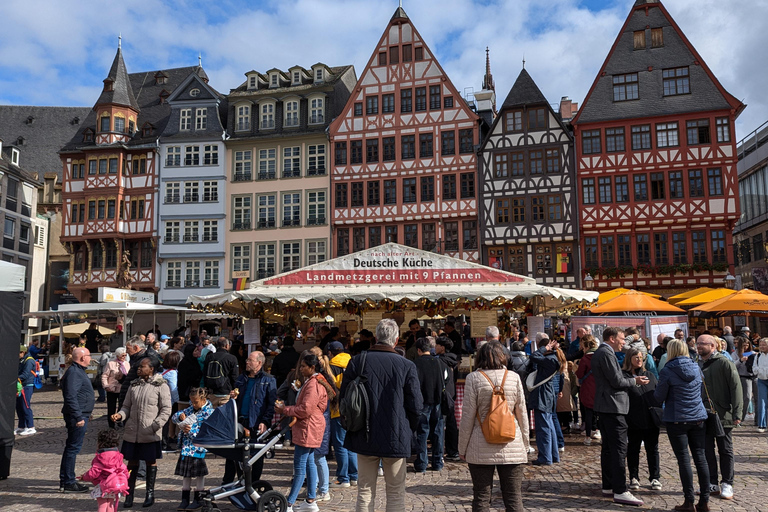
x=713, y=423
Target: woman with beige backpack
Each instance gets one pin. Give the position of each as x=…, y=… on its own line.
x=493, y=435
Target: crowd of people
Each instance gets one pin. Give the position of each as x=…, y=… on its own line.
x=615, y=390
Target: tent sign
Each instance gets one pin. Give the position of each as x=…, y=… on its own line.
x=394, y=264
x=107, y=294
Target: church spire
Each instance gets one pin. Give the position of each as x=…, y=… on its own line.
x=488, y=83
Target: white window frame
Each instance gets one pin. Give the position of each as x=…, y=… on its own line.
x=243, y=118
x=273, y=80
x=242, y=211
x=316, y=160
x=290, y=255
x=267, y=116
x=291, y=112
x=211, y=154
x=172, y=192
x=296, y=77
x=291, y=208
x=201, y=118
x=291, y=162
x=210, y=191
x=317, y=205
x=192, y=274
x=266, y=259
x=266, y=210
x=319, y=74
x=191, y=231
x=211, y=273
x=253, y=82
x=172, y=230
x=241, y=257
x=267, y=164
x=191, y=192
x=210, y=231
x=317, y=251
x=173, y=275
x=191, y=155
x=172, y=156
x=243, y=164
x=316, y=110
x=185, y=119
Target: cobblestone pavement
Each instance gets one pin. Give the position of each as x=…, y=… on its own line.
x=572, y=485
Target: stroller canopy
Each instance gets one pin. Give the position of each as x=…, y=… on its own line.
x=219, y=433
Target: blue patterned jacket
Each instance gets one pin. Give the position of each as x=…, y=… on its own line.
x=186, y=439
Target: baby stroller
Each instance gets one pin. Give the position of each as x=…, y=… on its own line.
x=221, y=434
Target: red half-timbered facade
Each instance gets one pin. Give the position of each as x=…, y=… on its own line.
x=404, y=147
x=656, y=162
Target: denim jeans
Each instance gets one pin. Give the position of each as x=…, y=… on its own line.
x=683, y=436
x=74, y=443
x=322, y=473
x=746, y=394
x=430, y=424
x=761, y=403
x=303, y=466
x=558, y=431
x=725, y=450
x=546, y=437
x=346, y=461
x=23, y=409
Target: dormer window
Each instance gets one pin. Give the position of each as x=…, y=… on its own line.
x=76, y=120
x=267, y=116
x=316, y=111
x=319, y=75
x=146, y=130
x=253, y=82
x=296, y=77
x=15, y=156
x=108, y=85
x=161, y=78
x=164, y=96
x=291, y=113
x=104, y=126
x=88, y=135
x=30, y=119
x=243, y=118
x=20, y=141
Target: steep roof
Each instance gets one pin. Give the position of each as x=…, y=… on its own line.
x=707, y=94
x=121, y=92
x=524, y=92
x=44, y=131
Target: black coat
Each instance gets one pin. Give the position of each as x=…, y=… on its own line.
x=283, y=363
x=78, y=394
x=229, y=366
x=190, y=373
x=395, y=401
x=450, y=360
x=640, y=401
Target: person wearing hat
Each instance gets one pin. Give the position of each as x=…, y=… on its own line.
x=116, y=340
x=23, y=400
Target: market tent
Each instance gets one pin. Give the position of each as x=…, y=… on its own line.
x=74, y=330
x=675, y=299
x=635, y=302
x=742, y=303
x=706, y=297
x=612, y=294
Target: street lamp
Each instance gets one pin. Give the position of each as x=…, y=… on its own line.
x=589, y=282
x=730, y=281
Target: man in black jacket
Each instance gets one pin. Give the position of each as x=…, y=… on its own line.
x=451, y=332
x=285, y=361
x=78, y=406
x=220, y=372
x=432, y=377
x=443, y=346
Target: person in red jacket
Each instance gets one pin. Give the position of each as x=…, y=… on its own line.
x=587, y=388
x=108, y=473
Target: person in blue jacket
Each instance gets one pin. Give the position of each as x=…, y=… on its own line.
x=544, y=399
x=24, y=399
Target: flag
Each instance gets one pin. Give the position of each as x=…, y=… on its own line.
x=563, y=263
x=240, y=283
x=496, y=262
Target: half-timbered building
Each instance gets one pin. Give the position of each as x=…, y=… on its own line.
x=528, y=212
x=404, y=149
x=656, y=162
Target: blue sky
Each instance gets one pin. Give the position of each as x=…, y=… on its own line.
x=57, y=53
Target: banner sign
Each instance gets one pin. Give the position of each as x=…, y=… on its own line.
x=394, y=264
x=107, y=294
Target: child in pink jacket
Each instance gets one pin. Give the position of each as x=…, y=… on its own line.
x=108, y=472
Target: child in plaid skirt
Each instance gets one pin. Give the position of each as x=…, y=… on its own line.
x=191, y=463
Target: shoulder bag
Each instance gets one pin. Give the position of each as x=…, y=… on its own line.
x=714, y=425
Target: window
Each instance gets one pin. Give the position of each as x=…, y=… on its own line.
x=537, y=208
x=614, y=140
x=643, y=249
x=502, y=211
x=316, y=208
x=191, y=231
x=267, y=164
x=639, y=40
x=173, y=275
x=699, y=246
x=501, y=165
x=434, y=97
x=721, y=123
x=292, y=162
x=315, y=252
x=425, y=145
x=449, y=187
x=667, y=135
x=679, y=249
x=394, y=54
x=101, y=209
x=715, y=181
x=110, y=208
x=535, y=162
x=374, y=236
x=273, y=80
x=268, y=115
x=466, y=141
x=409, y=190
x=428, y=237
x=186, y=119
x=590, y=142
x=210, y=231
x=448, y=143
x=555, y=208
x=624, y=245
x=467, y=185
x=211, y=273
x=266, y=211
x=388, y=144
x=373, y=193
x=382, y=58
x=210, y=191
x=371, y=105
x=406, y=100
x=418, y=53
x=390, y=192
x=451, y=236
x=372, y=150
x=241, y=212
x=407, y=143
x=316, y=160
x=411, y=235
x=469, y=235
x=358, y=239
x=98, y=256
x=518, y=210
x=625, y=87
x=103, y=166
x=427, y=189
x=407, y=53
x=590, y=252
x=641, y=187
x=358, y=109
x=390, y=234
x=698, y=132
x=296, y=78
x=243, y=118
x=201, y=118
x=518, y=164
x=604, y=193
x=140, y=209
x=291, y=209
x=356, y=149
x=119, y=124
x=211, y=154
x=173, y=157
x=291, y=254
x=621, y=184
x=242, y=166
x=341, y=195
x=553, y=160
x=657, y=185
x=514, y=121
x=421, y=99
x=695, y=183
x=357, y=194
x=92, y=164
x=675, y=185
x=265, y=260
x=78, y=171
x=91, y=210
x=113, y=166
x=641, y=137
x=448, y=102
x=291, y=113
x=387, y=103
x=588, y=190
x=657, y=37
x=340, y=153
x=537, y=119
x=192, y=155
x=660, y=248
x=607, y=252
x=676, y=81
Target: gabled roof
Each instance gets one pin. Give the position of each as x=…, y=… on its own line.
x=121, y=92
x=707, y=94
x=524, y=92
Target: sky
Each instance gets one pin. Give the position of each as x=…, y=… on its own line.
x=58, y=53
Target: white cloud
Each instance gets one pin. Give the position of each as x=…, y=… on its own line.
x=58, y=52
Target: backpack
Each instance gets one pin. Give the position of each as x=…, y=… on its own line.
x=354, y=409
x=214, y=377
x=499, y=424
x=117, y=482
x=36, y=371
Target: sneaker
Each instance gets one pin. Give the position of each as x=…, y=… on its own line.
x=531, y=449
x=607, y=492
x=761, y=430
x=726, y=491
x=75, y=487
x=655, y=485
x=380, y=472
x=323, y=496
x=353, y=483
x=28, y=432
x=306, y=506
x=561, y=449
x=18, y=431
x=340, y=484
x=289, y=509
x=596, y=435
x=634, y=484
x=453, y=458
x=626, y=498
x=587, y=441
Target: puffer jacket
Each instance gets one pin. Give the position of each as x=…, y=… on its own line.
x=111, y=379
x=679, y=388
x=311, y=403
x=106, y=463
x=477, y=400
x=338, y=365
x=146, y=409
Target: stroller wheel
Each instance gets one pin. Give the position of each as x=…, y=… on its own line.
x=272, y=501
x=262, y=486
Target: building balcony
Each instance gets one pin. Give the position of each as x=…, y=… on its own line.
x=211, y=283
x=316, y=119
x=191, y=198
x=267, y=125
x=173, y=284
x=316, y=170
x=191, y=237
x=171, y=239
x=291, y=173
x=212, y=197
x=191, y=283
x=267, y=175
x=172, y=198
x=263, y=274
x=211, y=237
x=316, y=221
x=266, y=224
x=287, y=223
x=291, y=122
x=241, y=226
x=451, y=246
x=242, y=176
x=243, y=126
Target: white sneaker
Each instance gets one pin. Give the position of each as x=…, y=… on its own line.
x=634, y=484
x=761, y=430
x=587, y=441
x=340, y=484
x=726, y=491
x=561, y=449
x=626, y=498
x=306, y=506
x=531, y=449
x=596, y=435
x=289, y=509
x=323, y=496
x=18, y=431
x=28, y=432
x=655, y=485
x=380, y=472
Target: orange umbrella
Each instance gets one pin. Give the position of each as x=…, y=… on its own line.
x=742, y=303
x=706, y=297
x=687, y=295
x=616, y=292
x=634, y=301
